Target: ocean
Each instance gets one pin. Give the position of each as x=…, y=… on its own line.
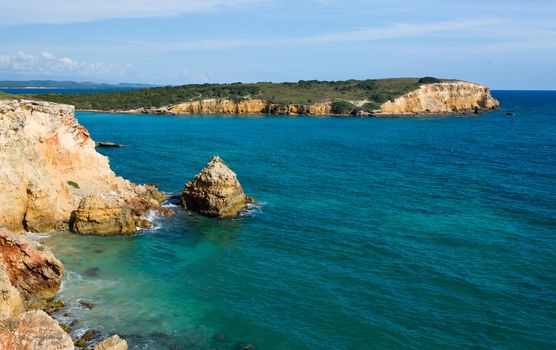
x=371, y=233
x=48, y=90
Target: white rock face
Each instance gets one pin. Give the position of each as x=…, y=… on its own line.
x=48, y=164
x=445, y=97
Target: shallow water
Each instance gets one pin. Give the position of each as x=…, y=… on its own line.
x=373, y=234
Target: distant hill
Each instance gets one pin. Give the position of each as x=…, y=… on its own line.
x=55, y=84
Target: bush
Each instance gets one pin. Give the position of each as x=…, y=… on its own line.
x=370, y=107
x=342, y=107
x=73, y=184
x=429, y=80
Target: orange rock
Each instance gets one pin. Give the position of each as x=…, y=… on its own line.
x=30, y=266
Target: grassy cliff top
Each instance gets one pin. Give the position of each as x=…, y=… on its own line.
x=5, y=96
x=303, y=92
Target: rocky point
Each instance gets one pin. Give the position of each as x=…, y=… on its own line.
x=215, y=191
x=49, y=165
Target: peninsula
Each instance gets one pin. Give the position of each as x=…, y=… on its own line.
x=380, y=97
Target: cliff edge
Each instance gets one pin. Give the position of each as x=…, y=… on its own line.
x=444, y=97
x=49, y=164
x=434, y=98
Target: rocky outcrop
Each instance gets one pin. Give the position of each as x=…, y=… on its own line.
x=439, y=98
x=49, y=164
x=30, y=266
x=33, y=330
x=256, y=106
x=112, y=343
x=29, y=276
x=11, y=302
x=98, y=216
x=215, y=191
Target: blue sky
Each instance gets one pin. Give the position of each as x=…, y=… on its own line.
x=506, y=44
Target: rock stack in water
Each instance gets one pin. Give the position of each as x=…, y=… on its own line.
x=215, y=191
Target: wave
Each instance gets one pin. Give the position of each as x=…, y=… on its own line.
x=154, y=217
x=253, y=209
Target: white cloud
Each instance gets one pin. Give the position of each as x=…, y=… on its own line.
x=493, y=31
x=48, y=64
x=72, y=11
x=485, y=34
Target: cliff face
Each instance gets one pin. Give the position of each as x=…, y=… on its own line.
x=446, y=97
x=224, y=106
x=48, y=164
x=436, y=98
x=257, y=106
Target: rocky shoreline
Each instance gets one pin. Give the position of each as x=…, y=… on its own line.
x=436, y=99
x=30, y=278
x=52, y=179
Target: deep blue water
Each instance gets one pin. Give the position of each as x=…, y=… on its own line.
x=375, y=233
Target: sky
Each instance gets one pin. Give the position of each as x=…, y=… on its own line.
x=505, y=44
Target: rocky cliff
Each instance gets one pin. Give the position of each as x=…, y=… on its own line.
x=434, y=98
x=445, y=97
x=49, y=163
x=257, y=106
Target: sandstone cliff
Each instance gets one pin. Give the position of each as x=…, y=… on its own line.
x=434, y=98
x=256, y=106
x=215, y=191
x=445, y=97
x=49, y=163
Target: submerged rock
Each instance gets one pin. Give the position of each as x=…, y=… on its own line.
x=215, y=191
x=112, y=343
x=99, y=216
x=107, y=144
x=30, y=266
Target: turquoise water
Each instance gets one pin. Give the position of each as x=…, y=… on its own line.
x=372, y=234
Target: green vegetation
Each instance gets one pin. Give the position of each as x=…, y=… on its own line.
x=73, y=184
x=429, y=80
x=5, y=96
x=375, y=92
x=342, y=107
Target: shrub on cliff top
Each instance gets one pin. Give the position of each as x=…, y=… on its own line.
x=429, y=80
x=342, y=107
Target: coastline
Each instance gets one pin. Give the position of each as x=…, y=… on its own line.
x=467, y=113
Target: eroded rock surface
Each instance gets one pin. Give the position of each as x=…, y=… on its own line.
x=445, y=97
x=11, y=302
x=33, y=330
x=215, y=191
x=112, y=343
x=30, y=266
x=98, y=216
x=48, y=165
